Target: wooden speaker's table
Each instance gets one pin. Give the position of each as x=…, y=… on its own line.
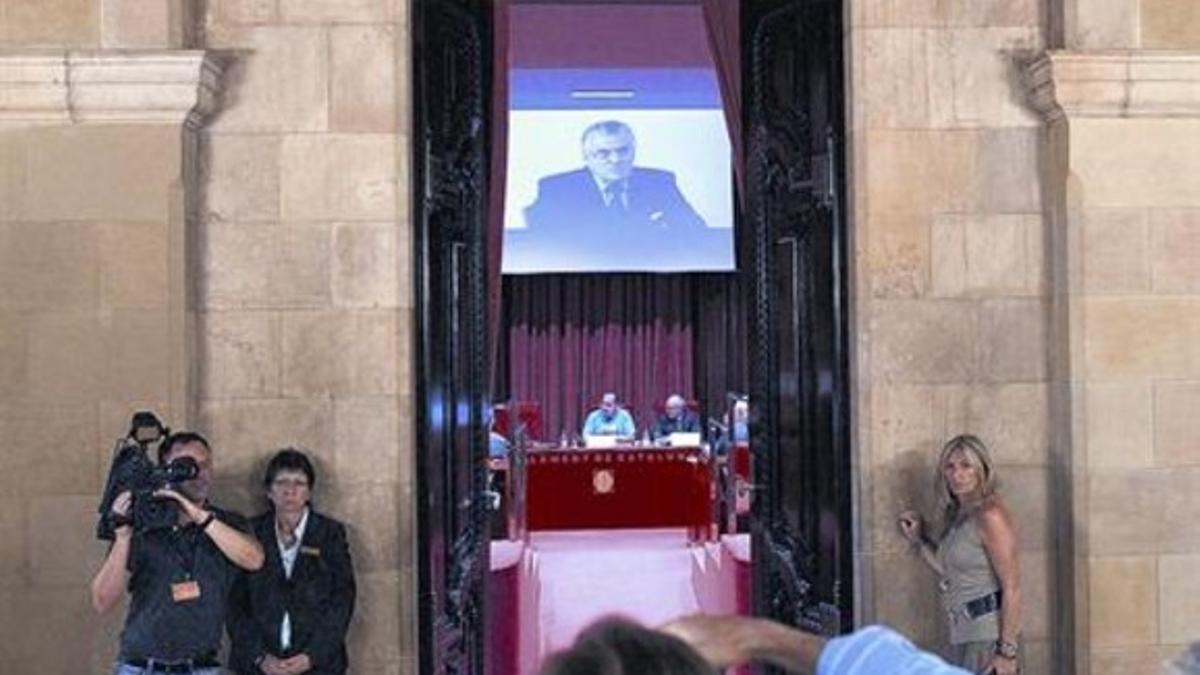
x=621, y=488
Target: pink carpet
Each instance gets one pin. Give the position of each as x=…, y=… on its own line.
x=652, y=576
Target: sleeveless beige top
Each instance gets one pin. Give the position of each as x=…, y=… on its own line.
x=968, y=575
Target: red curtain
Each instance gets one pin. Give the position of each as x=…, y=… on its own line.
x=570, y=338
x=574, y=337
x=720, y=342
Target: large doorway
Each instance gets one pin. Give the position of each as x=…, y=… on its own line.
x=791, y=235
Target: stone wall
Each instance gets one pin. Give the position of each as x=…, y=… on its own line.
x=1119, y=163
x=1128, y=24
x=92, y=24
x=950, y=306
x=1120, y=175
x=1169, y=24
x=52, y=23
x=84, y=339
x=301, y=281
x=92, y=321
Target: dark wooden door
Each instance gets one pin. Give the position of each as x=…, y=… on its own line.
x=451, y=87
x=792, y=259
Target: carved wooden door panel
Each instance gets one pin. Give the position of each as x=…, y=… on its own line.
x=792, y=257
x=451, y=86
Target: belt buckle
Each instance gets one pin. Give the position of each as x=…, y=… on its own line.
x=186, y=666
x=959, y=613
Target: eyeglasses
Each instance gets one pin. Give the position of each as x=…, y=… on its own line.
x=623, y=152
x=284, y=483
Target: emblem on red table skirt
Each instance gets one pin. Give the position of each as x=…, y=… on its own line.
x=603, y=481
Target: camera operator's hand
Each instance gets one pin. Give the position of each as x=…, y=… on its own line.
x=190, y=509
x=111, y=579
x=119, y=513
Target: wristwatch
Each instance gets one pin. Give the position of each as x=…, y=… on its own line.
x=207, y=521
x=1006, y=649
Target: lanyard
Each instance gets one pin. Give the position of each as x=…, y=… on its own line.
x=184, y=543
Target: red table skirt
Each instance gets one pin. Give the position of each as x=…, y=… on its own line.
x=605, y=489
x=741, y=461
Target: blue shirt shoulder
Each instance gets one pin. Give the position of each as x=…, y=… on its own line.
x=879, y=650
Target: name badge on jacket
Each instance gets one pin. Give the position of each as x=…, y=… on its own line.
x=185, y=591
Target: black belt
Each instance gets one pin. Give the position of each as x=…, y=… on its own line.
x=983, y=605
x=184, y=666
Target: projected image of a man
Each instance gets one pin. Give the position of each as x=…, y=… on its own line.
x=609, y=156
x=611, y=202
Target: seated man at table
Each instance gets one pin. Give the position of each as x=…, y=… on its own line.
x=677, y=419
x=608, y=420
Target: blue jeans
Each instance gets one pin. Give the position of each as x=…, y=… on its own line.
x=126, y=669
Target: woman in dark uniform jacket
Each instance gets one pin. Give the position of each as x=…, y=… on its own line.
x=291, y=616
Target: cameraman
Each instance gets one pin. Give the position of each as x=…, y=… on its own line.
x=178, y=578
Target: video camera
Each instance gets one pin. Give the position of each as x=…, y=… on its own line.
x=133, y=470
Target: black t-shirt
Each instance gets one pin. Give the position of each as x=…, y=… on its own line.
x=159, y=627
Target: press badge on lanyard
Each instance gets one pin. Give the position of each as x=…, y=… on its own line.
x=185, y=591
x=188, y=589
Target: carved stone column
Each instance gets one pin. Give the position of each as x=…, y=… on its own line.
x=1120, y=167
x=96, y=166
x=96, y=172
x=99, y=87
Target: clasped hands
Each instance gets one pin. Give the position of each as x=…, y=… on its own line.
x=293, y=665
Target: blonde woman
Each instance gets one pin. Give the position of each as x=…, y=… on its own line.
x=976, y=557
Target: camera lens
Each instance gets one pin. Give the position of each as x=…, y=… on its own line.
x=181, y=469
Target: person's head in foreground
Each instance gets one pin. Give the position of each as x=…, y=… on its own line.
x=706, y=644
x=616, y=646
x=1188, y=662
